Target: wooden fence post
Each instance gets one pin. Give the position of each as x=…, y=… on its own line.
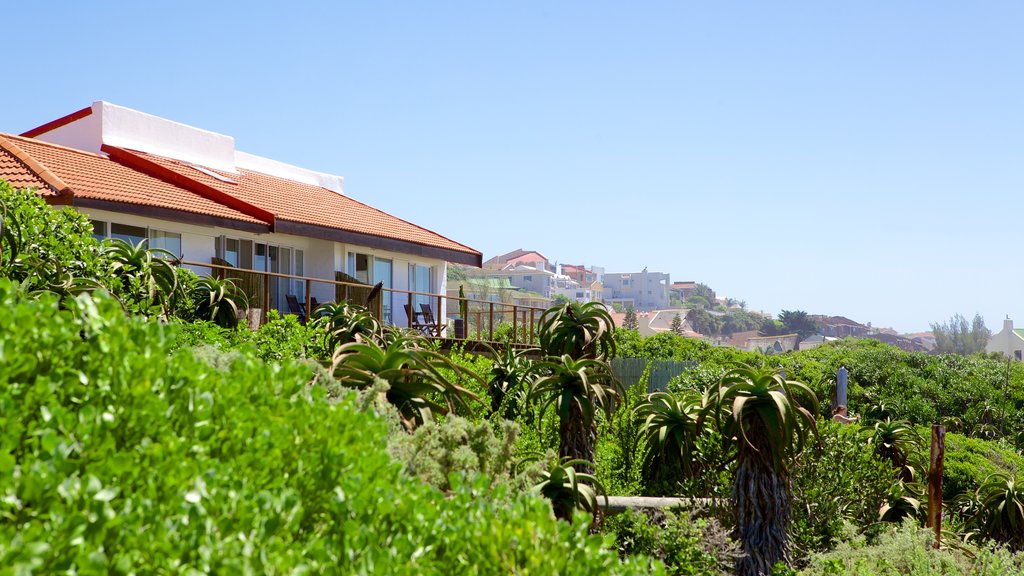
x=935, y=481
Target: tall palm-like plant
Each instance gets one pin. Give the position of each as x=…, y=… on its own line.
x=416, y=385
x=669, y=430
x=769, y=419
x=579, y=330
x=145, y=277
x=577, y=389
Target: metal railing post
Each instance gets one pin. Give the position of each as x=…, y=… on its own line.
x=309, y=300
x=266, y=299
x=491, y=337
x=438, y=317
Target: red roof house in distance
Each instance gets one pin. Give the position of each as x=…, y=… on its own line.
x=520, y=257
x=191, y=192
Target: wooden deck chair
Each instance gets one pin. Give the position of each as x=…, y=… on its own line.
x=414, y=319
x=295, y=308
x=430, y=325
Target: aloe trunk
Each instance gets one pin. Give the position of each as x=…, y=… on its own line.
x=761, y=498
x=577, y=437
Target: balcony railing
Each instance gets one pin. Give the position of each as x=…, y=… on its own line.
x=453, y=318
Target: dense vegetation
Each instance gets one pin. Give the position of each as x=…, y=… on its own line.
x=143, y=430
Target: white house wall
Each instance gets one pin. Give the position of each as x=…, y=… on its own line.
x=321, y=258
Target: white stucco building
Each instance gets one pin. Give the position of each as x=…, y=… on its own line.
x=1009, y=341
x=191, y=192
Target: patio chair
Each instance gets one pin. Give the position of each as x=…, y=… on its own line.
x=430, y=325
x=295, y=308
x=414, y=319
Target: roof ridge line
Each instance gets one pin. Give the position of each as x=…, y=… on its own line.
x=37, y=167
x=137, y=162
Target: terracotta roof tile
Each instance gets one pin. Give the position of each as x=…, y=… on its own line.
x=19, y=176
x=97, y=177
x=310, y=204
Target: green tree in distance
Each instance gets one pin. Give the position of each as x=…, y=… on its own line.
x=798, y=322
x=959, y=337
x=677, y=324
x=630, y=322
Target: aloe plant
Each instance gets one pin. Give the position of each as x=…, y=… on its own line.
x=511, y=374
x=1000, y=510
x=769, y=419
x=579, y=330
x=569, y=489
x=145, y=277
x=577, y=389
x=415, y=384
x=343, y=322
x=897, y=442
x=218, y=301
x=668, y=429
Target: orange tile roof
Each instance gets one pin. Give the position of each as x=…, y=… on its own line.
x=17, y=174
x=309, y=204
x=96, y=177
x=251, y=197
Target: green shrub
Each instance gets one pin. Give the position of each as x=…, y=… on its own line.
x=969, y=461
x=118, y=456
x=907, y=550
x=686, y=546
x=436, y=451
x=839, y=481
x=48, y=248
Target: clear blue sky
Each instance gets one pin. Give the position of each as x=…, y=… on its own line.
x=863, y=159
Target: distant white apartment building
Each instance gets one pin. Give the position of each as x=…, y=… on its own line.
x=643, y=290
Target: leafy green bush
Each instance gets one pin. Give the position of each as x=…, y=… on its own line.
x=686, y=546
x=969, y=461
x=50, y=249
x=840, y=480
x=455, y=446
x=907, y=550
x=118, y=456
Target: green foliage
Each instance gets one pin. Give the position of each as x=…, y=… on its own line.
x=696, y=546
x=908, y=550
x=704, y=322
x=969, y=461
x=436, y=451
x=579, y=330
x=837, y=482
x=119, y=456
x=48, y=249
x=343, y=323
x=217, y=301
x=797, y=321
x=959, y=337
x=569, y=489
x=415, y=384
